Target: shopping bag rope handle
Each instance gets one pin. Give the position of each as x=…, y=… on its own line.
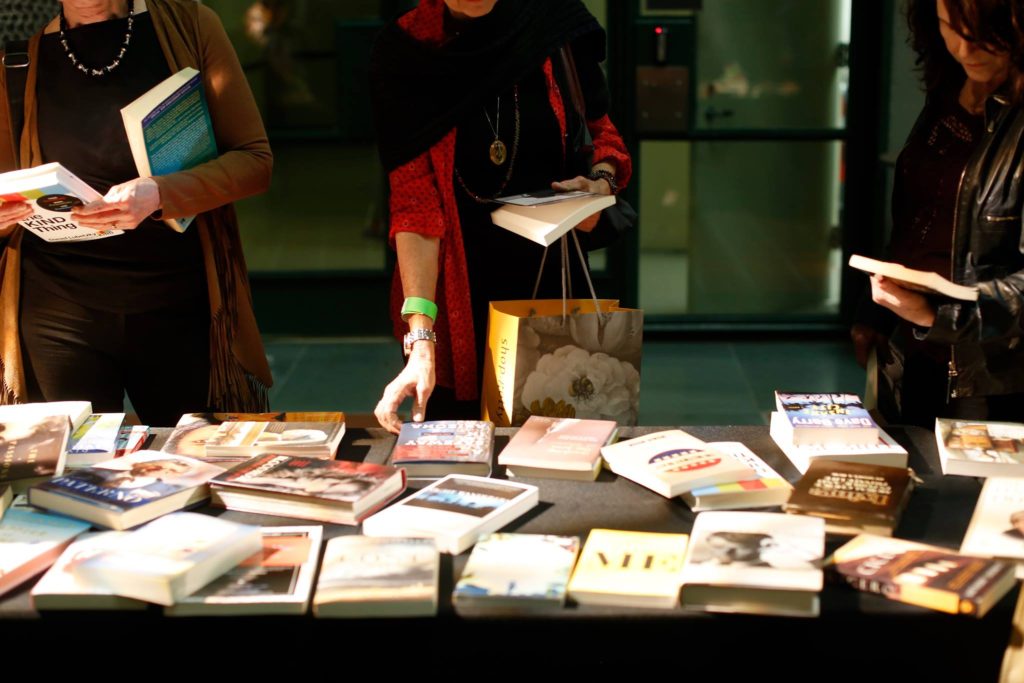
x=566, y=277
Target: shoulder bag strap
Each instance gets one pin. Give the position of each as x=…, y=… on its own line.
x=15, y=62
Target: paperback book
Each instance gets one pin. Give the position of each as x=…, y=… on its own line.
x=334, y=491
x=32, y=450
x=545, y=222
x=6, y=498
x=455, y=511
x=673, y=462
x=31, y=541
x=918, y=280
x=53, y=191
x=438, y=448
x=193, y=429
x=95, y=440
x=923, y=575
x=754, y=563
x=276, y=580
x=997, y=525
x=629, y=569
x=767, y=489
x=852, y=498
x=884, y=451
x=247, y=439
x=378, y=577
x=61, y=588
x=76, y=411
x=558, y=447
x=128, y=491
x=980, y=449
x=825, y=419
x=516, y=574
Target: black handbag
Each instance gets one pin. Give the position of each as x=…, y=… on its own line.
x=617, y=219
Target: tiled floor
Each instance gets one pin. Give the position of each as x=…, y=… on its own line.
x=682, y=382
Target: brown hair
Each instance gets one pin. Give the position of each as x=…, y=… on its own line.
x=995, y=24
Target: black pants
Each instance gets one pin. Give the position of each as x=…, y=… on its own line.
x=160, y=358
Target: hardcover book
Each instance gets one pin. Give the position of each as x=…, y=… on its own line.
x=629, y=569
x=547, y=221
x=31, y=541
x=997, y=525
x=826, y=419
x=32, y=450
x=455, y=511
x=378, y=577
x=248, y=439
x=755, y=563
x=767, y=489
x=61, y=588
x=673, y=462
x=918, y=280
x=193, y=429
x=557, y=447
x=276, y=580
x=53, y=191
x=923, y=575
x=515, y=574
x=334, y=491
x=852, y=498
x=127, y=491
x=884, y=451
x=95, y=440
x=169, y=129
x=980, y=449
x=442, y=447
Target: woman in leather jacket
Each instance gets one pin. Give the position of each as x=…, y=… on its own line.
x=957, y=203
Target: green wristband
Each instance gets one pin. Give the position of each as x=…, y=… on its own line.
x=415, y=304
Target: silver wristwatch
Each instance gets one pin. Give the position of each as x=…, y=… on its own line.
x=414, y=336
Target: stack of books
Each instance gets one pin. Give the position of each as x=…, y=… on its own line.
x=558, y=447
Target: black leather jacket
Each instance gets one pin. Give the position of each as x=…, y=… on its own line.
x=988, y=251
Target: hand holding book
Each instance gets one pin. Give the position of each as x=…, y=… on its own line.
x=906, y=303
x=124, y=207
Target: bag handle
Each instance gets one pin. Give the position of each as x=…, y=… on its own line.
x=15, y=63
x=566, y=276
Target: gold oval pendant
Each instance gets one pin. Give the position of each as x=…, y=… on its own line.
x=498, y=153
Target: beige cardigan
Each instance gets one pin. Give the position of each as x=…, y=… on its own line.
x=190, y=35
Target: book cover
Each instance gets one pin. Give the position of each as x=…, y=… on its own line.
x=33, y=449
x=754, y=562
x=76, y=411
x=6, y=498
x=441, y=447
x=60, y=588
x=884, y=451
x=917, y=280
x=826, y=418
x=980, y=449
x=193, y=429
x=923, y=575
x=95, y=440
x=630, y=569
x=169, y=129
x=672, y=462
x=547, y=446
x=31, y=541
x=997, y=525
x=766, y=489
x=378, y=577
x=276, y=580
x=545, y=223
x=509, y=573
x=310, y=439
x=53, y=191
x=852, y=497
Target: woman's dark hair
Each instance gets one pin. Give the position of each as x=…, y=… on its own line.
x=995, y=24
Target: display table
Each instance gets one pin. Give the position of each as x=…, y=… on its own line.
x=878, y=639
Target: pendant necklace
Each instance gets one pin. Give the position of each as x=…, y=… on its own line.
x=499, y=154
x=103, y=70
x=498, y=151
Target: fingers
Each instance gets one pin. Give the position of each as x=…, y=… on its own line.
x=419, y=406
x=386, y=411
x=12, y=212
x=577, y=183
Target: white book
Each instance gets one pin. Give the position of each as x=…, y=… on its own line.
x=997, y=525
x=546, y=222
x=754, y=562
x=974, y=448
x=53, y=191
x=172, y=557
x=31, y=541
x=76, y=411
x=62, y=589
x=95, y=440
x=454, y=511
x=378, y=577
x=918, y=280
x=816, y=418
x=885, y=451
x=766, y=489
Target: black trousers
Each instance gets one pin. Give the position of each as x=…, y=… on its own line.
x=161, y=358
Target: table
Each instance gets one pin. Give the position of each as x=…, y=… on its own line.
x=878, y=639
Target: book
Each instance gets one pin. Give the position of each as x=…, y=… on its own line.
x=76, y=411
x=672, y=462
x=171, y=557
x=32, y=450
x=973, y=448
x=455, y=511
x=516, y=574
x=276, y=580
x=53, y=191
x=852, y=498
x=766, y=489
x=923, y=575
x=31, y=541
x=544, y=223
x=127, y=491
x=334, y=491
x=378, y=577
x=441, y=447
x=885, y=451
x=130, y=439
x=996, y=528
x=169, y=129
x=95, y=440
x=629, y=569
x=754, y=563
x=247, y=439
x=557, y=447
x=825, y=419
x=6, y=498
x=60, y=588
x=193, y=429
x=917, y=280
